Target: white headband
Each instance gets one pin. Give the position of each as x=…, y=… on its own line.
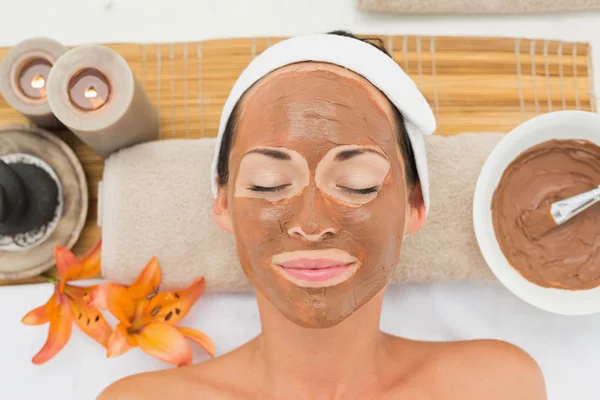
x=357, y=56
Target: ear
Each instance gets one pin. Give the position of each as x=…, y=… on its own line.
x=221, y=210
x=416, y=211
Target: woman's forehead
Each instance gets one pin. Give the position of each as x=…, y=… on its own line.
x=315, y=102
x=300, y=73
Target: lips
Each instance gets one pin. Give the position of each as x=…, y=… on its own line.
x=319, y=268
x=314, y=263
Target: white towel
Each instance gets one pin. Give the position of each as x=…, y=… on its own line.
x=156, y=200
x=565, y=347
x=476, y=6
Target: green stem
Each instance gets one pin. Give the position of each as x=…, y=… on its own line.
x=50, y=278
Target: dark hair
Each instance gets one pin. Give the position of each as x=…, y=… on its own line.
x=412, y=176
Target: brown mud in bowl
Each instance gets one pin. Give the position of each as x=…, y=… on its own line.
x=568, y=256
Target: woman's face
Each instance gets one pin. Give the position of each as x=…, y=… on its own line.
x=317, y=198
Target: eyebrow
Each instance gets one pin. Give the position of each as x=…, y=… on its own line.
x=347, y=154
x=276, y=154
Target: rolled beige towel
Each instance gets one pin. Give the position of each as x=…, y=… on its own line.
x=155, y=200
x=476, y=6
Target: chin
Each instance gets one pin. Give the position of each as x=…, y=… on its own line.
x=316, y=321
x=318, y=307
x=326, y=314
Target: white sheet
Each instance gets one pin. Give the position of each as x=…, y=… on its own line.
x=567, y=348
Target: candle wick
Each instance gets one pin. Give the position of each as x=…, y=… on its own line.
x=91, y=92
x=38, y=82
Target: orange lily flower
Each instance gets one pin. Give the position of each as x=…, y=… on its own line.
x=69, y=303
x=147, y=318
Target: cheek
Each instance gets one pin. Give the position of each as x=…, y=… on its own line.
x=377, y=228
x=258, y=226
x=374, y=229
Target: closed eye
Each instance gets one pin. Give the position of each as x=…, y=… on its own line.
x=256, y=188
x=359, y=191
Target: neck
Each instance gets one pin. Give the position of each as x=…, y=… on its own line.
x=331, y=361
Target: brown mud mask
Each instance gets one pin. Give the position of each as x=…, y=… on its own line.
x=568, y=256
x=317, y=184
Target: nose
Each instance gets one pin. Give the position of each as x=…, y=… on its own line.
x=313, y=222
x=299, y=233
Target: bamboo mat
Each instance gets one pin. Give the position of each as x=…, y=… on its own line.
x=473, y=84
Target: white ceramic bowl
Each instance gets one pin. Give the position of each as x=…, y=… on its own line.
x=555, y=125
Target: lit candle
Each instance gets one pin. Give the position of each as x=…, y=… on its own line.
x=24, y=78
x=89, y=90
x=94, y=93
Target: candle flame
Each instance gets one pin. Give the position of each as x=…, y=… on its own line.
x=38, y=82
x=91, y=93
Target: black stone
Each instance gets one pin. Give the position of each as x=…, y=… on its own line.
x=4, y=205
x=13, y=195
x=29, y=198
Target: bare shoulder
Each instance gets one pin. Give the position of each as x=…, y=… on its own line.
x=219, y=378
x=181, y=383
x=148, y=385
x=489, y=369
